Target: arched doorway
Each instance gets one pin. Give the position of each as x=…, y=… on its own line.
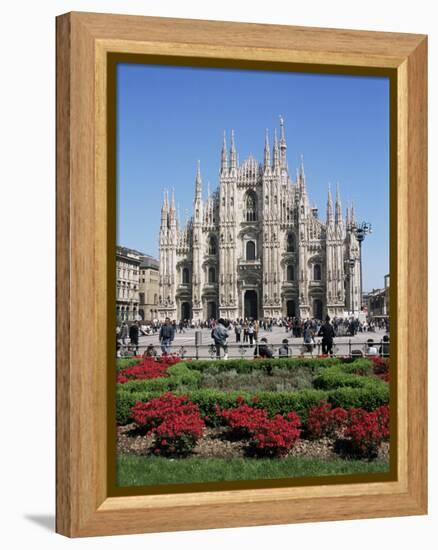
x=317, y=308
x=290, y=308
x=211, y=310
x=250, y=304
x=185, y=311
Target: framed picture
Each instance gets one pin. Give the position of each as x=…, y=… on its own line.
x=241, y=274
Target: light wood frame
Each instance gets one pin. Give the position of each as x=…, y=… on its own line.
x=83, y=505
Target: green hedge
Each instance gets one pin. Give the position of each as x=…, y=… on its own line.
x=343, y=376
x=243, y=366
x=274, y=402
x=365, y=398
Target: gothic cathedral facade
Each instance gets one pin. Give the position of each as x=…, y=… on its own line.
x=256, y=248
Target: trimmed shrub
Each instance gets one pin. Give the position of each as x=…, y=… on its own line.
x=364, y=398
x=248, y=365
x=381, y=368
x=366, y=431
x=174, y=420
x=324, y=421
x=146, y=370
x=157, y=385
x=285, y=402
x=361, y=367
x=124, y=402
x=275, y=437
x=243, y=420
x=208, y=401
x=181, y=376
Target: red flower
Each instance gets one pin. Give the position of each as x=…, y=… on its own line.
x=175, y=422
x=323, y=421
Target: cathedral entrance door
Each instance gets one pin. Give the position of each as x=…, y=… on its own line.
x=317, y=309
x=251, y=309
x=290, y=307
x=211, y=310
x=185, y=311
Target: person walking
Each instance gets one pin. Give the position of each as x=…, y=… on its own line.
x=327, y=333
x=237, y=331
x=133, y=336
x=166, y=336
x=220, y=335
x=251, y=335
x=245, y=333
x=124, y=333
x=308, y=338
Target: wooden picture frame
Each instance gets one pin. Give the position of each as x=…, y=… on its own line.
x=84, y=43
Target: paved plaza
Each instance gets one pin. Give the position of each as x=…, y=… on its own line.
x=344, y=345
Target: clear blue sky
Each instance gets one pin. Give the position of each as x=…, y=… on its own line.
x=169, y=117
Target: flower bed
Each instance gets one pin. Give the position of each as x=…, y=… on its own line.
x=347, y=405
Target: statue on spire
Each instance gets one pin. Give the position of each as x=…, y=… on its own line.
x=267, y=158
x=329, y=206
x=338, y=211
x=233, y=157
x=224, y=157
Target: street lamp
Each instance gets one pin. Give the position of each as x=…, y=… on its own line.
x=361, y=230
x=348, y=270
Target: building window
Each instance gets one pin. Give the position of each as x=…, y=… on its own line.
x=211, y=275
x=250, y=250
x=290, y=275
x=212, y=247
x=185, y=275
x=251, y=207
x=141, y=295
x=155, y=299
x=290, y=246
x=317, y=272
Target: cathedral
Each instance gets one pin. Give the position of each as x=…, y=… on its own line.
x=256, y=248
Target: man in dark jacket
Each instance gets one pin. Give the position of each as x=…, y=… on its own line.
x=166, y=336
x=327, y=333
x=133, y=336
x=263, y=350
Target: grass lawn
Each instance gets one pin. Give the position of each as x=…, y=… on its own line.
x=139, y=470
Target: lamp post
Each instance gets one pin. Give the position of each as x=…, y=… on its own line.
x=360, y=231
x=349, y=264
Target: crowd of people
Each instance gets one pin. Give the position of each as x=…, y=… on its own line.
x=247, y=331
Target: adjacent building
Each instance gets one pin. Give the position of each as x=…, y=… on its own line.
x=148, y=288
x=257, y=247
x=378, y=301
x=136, y=285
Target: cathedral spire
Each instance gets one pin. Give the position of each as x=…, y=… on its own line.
x=352, y=215
x=172, y=211
x=198, y=183
x=301, y=177
x=338, y=211
x=164, y=210
x=275, y=152
x=267, y=160
x=347, y=217
x=329, y=207
x=233, y=157
x=283, y=145
x=224, y=157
